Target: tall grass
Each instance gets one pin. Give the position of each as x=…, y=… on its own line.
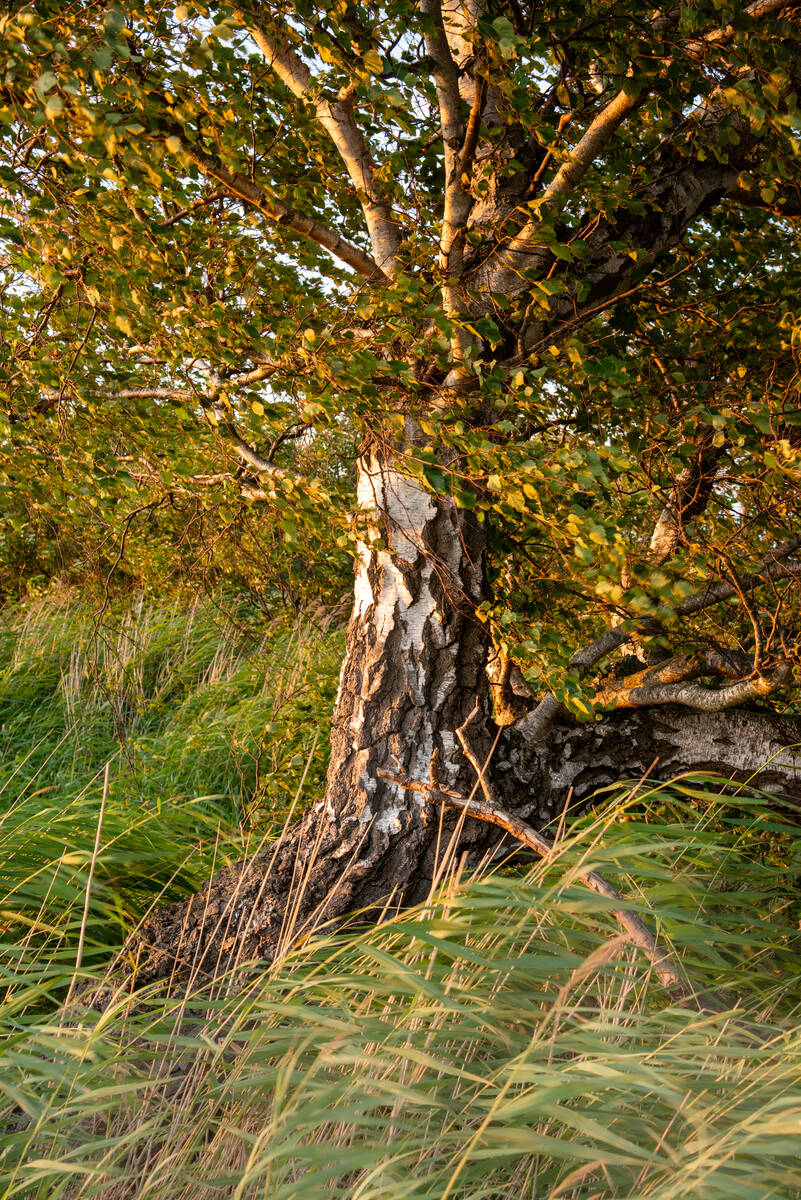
x=192, y=699
x=501, y=1041
x=206, y=721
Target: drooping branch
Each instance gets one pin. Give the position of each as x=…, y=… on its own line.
x=338, y=120
x=264, y=466
x=210, y=398
x=181, y=395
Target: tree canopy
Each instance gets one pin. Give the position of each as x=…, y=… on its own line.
x=546, y=255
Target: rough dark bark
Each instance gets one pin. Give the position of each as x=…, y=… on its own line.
x=762, y=748
x=376, y=843
x=415, y=666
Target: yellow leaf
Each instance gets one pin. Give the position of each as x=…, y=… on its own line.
x=173, y=144
x=372, y=60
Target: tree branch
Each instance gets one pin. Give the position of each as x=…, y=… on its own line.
x=669, y=683
x=246, y=453
x=452, y=127
x=338, y=120
x=264, y=466
x=277, y=211
x=524, y=251
x=216, y=194
x=785, y=203
x=689, y=497
x=756, y=11
x=534, y=725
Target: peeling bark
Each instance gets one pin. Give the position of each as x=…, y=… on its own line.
x=417, y=663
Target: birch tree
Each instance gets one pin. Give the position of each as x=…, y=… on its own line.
x=540, y=261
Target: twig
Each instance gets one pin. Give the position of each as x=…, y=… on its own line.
x=666, y=969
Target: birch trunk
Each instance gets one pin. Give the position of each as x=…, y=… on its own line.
x=415, y=666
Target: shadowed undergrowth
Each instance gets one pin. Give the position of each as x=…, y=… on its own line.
x=501, y=1041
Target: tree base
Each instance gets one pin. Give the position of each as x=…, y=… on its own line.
x=322, y=869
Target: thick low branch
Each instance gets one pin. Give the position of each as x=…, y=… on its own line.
x=704, y=699
x=536, y=724
x=672, y=682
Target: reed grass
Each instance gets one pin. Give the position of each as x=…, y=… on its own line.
x=192, y=698
x=501, y=1041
